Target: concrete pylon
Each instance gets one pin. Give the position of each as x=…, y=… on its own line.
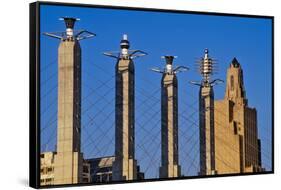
x=169, y=120
x=69, y=159
x=206, y=115
x=207, y=130
x=125, y=165
x=68, y=162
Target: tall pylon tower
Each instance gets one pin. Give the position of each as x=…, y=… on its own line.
x=206, y=115
x=125, y=165
x=169, y=119
x=69, y=159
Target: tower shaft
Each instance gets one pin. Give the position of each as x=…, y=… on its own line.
x=169, y=127
x=125, y=165
x=207, y=130
x=69, y=160
x=235, y=90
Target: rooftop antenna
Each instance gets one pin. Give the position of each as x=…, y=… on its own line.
x=125, y=53
x=70, y=33
x=169, y=66
x=206, y=67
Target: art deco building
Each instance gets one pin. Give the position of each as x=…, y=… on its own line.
x=237, y=147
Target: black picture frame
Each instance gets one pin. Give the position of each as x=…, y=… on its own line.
x=34, y=90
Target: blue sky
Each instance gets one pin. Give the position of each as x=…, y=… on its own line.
x=157, y=33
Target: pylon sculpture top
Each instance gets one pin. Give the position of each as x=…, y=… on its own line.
x=70, y=34
x=169, y=66
x=207, y=67
x=125, y=53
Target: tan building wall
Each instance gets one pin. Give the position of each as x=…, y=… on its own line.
x=226, y=139
x=47, y=169
x=236, y=136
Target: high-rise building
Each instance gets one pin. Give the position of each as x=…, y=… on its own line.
x=236, y=133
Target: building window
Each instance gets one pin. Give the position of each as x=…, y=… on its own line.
x=48, y=179
x=99, y=178
x=43, y=170
x=85, y=169
x=104, y=178
x=235, y=128
x=231, y=82
x=85, y=180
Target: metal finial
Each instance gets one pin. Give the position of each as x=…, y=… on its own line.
x=206, y=66
x=206, y=69
x=206, y=53
x=125, y=37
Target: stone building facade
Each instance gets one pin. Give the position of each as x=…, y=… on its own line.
x=237, y=147
x=47, y=169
